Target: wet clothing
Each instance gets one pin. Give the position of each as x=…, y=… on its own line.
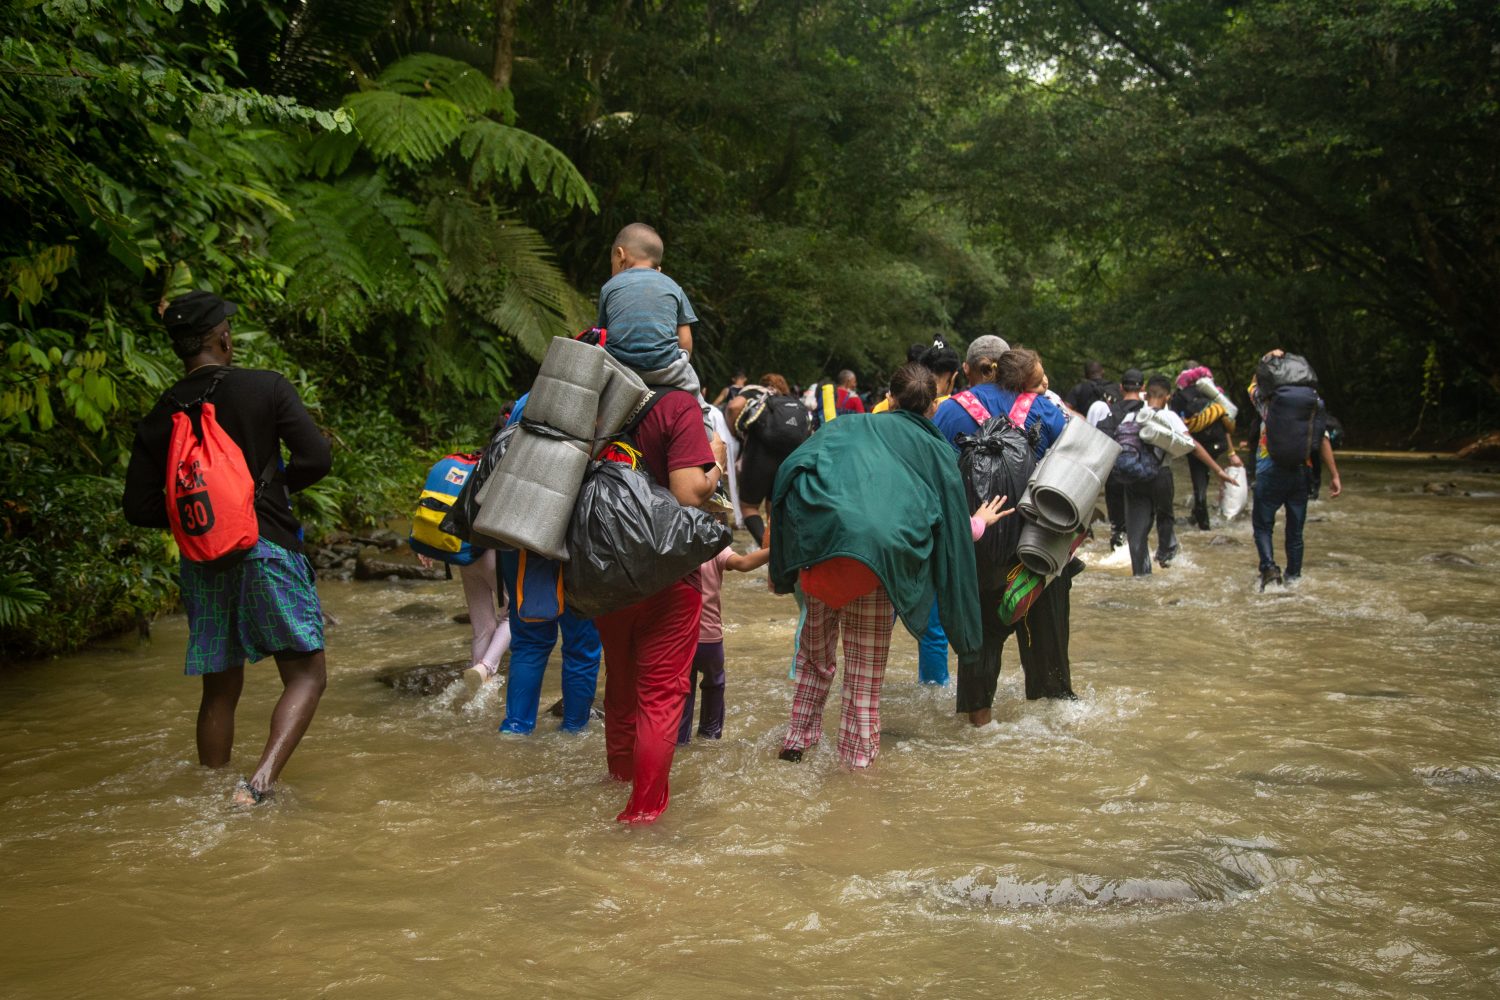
x=885, y=491
x=260, y=411
x=649, y=648
x=1045, y=415
x=1210, y=426
x=708, y=663
x=1277, y=487
x=531, y=644
x=263, y=605
x=932, y=651
x=642, y=309
x=1148, y=504
x=757, y=474
x=267, y=603
x=1041, y=637
x=865, y=626
x=649, y=645
x=1044, y=659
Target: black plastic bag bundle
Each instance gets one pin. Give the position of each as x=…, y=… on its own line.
x=1287, y=369
x=460, y=518
x=629, y=538
x=996, y=461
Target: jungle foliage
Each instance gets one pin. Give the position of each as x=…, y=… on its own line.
x=409, y=199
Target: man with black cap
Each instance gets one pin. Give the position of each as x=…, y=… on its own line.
x=264, y=604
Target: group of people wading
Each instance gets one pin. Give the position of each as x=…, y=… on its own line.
x=864, y=517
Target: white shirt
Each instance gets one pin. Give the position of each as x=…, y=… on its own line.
x=1098, y=413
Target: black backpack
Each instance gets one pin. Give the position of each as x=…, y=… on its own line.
x=996, y=460
x=784, y=423
x=1110, y=425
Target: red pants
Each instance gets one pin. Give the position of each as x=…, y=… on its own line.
x=648, y=652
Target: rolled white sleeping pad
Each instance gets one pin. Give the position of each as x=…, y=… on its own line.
x=1068, y=481
x=533, y=489
x=1207, y=388
x=1043, y=550
x=565, y=394
x=623, y=393
x=1155, y=430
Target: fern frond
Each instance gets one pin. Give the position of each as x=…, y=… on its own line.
x=501, y=153
x=424, y=74
x=411, y=130
x=19, y=600
x=505, y=272
x=330, y=153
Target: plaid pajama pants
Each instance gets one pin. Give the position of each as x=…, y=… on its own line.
x=865, y=624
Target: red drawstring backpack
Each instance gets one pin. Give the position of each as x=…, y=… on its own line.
x=210, y=493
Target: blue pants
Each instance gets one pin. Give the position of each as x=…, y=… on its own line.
x=530, y=645
x=1277, y=487
x=932, y=651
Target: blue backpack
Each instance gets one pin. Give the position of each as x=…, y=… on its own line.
x=444, y=481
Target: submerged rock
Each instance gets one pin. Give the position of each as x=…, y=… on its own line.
x=417, y=610
x=424, y=679
x=1443, y=490
x=1224, y=540
x=1447, y=559
x=372, y=564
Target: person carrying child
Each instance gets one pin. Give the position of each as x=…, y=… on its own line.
x=708, y=661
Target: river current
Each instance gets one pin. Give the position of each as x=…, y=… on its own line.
x=1289, y=794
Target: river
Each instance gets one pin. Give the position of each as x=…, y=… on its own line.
x=1294, y=794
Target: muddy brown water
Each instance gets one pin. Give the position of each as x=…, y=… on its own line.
x=1290, y=794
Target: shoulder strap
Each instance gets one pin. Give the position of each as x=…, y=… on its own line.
x=972, y=406
x=1021, y=409
x=213, y=384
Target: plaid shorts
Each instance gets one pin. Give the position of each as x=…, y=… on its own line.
x=265, y=605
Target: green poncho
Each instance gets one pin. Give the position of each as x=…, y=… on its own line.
x=883, y=489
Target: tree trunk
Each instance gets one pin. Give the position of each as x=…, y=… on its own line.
x=505, y=42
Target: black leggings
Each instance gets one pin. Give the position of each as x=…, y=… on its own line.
x=758, y=468
x=1042, y=637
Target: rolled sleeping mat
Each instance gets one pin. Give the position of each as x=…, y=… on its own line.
x=532, y=494
x=1209, y=390
x=623, y=393
x=1043, y=550
x=1068, y=482
x=565, y=395
x=1156, y=431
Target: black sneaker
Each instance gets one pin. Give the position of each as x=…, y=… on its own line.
x=1270, y=575
x=1164, y=559
x=1116, y=540
x=790, y=755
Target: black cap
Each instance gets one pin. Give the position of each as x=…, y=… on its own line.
x=196, y=312
x=1132, y=379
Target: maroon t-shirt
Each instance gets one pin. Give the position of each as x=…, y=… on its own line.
x=672, y=437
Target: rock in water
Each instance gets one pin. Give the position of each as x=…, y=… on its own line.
x=1224, y=540
x=375, y=565
x=424, y=679
x=1447, y=559
x=417, y=610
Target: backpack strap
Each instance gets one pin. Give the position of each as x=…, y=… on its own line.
x=213, y=384
x=1022, y=408
x=972, y=406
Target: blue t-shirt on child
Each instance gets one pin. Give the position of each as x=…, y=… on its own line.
x=952, y=419
x=642, y=309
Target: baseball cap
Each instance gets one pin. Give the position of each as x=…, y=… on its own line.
x=1132, y=379
x=196, y=312
x=988, y=346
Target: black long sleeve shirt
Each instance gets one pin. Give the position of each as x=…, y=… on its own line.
x=259, y=410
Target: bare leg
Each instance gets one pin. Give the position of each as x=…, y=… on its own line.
x=979, y=717
x=221, y=693
x=303, y=677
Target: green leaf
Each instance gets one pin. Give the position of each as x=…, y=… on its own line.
x=410, y=130
x=503, y=153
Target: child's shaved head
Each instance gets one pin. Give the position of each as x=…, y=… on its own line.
x=640, y=243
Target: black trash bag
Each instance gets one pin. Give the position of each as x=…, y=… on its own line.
x=996, y=461
x=460, y=518
x=1288, y=369
x=629, y=538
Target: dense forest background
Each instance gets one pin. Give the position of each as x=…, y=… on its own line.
x=409, y=199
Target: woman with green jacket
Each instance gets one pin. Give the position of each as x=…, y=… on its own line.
x=869, y=519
